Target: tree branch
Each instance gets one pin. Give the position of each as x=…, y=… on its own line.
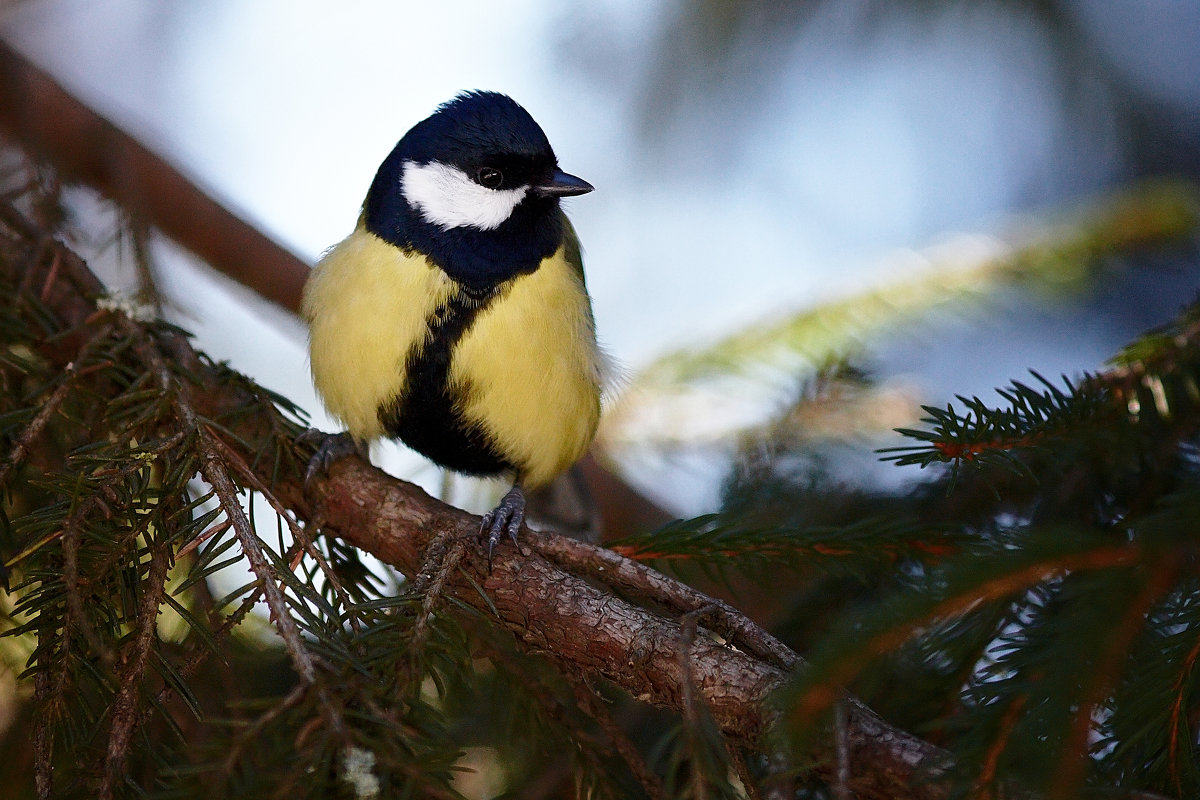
x=557, y=609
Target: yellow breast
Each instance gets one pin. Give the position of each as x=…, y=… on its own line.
x=531, y=371
x=526, y=372
x=366, y=304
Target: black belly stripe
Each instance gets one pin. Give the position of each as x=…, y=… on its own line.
x=427, y=417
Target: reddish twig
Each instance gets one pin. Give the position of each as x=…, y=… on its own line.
x=819, y=697
x=983, y=787
x=1103, y=676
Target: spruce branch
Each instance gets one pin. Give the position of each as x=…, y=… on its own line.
x=748, y=540
x=987, y=435
x=984, y=785
x=546, y=608
x=1175, y=747
x=299, y=535
x=125, y=705
x=595, y=614
x=192, y=664
x=213, y=469
x=544, y=691
x=1154, y=382
x=76, y=618
x=247, y=737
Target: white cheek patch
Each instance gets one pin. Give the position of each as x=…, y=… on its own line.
x=448, y=198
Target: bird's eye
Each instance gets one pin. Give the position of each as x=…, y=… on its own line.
x=489, y=177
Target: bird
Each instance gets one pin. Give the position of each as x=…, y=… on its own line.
x=455, y=317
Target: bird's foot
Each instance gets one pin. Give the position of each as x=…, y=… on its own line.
x=333, y=447
x=508, y=517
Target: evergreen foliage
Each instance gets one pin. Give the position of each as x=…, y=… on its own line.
x=179, y=632
x=1033, y=609
x=116, y=548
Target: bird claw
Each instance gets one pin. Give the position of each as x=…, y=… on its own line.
x=332, y=448
x=507, y=517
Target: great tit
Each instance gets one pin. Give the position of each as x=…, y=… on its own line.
x=455, y=317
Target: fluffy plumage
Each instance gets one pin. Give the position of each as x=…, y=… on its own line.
x=455, y=316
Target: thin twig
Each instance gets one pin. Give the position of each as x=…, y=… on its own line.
x=693, y=712
x=439, y=564
x=984, y=786
x=251, y=479
x=1104, y=674
x=841, y=776
x=76, y=618
x=590, y=701
x=34, y=429
x=124, y=708
x=634, y=579
x=743, y=771
x=214, y=473
x=51, y=405
x=250, y=733
x=95, y=501
x=51, y=276
x=203, y=537
x=819, y=697
x=228, y=623
x=587, y=745
x=43, y=735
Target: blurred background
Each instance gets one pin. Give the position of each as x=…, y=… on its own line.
x=756, y=163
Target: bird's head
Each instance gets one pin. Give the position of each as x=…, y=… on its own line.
x=475, y=187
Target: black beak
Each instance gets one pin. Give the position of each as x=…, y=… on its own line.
x=562, y=185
